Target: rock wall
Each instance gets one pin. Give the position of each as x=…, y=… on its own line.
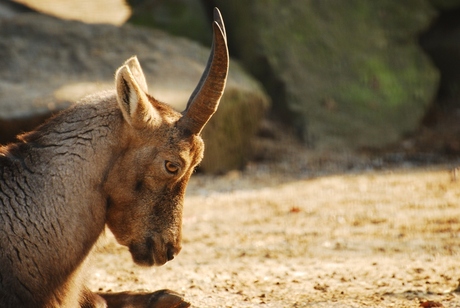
x=179, y=17
x=442, y=42
x=348, y=74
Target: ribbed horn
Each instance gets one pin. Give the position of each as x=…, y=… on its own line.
x=205, y=98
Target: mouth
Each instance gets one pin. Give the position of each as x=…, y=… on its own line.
x=152, y=252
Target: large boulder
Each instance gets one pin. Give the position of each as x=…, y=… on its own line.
x=348, y=74
x=47, y=63
x=186, y=18
x=442, y=42
x=445, y=5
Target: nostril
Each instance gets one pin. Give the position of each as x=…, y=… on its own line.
x=170, y=253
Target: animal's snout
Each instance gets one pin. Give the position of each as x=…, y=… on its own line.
x=171, y=251
x=170, y=254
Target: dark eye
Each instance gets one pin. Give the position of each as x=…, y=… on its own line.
x=171, y=167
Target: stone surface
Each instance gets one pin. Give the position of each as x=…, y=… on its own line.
x=445, y=4
x=47, y=63
x=442, y=42
x=179, y=17
x=348, y=74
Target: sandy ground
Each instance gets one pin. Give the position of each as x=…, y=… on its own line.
x=263, y=238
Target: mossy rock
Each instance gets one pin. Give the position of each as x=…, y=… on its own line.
x=445, y=4
x=228, y=134
x=348, y=74
x=179, y=17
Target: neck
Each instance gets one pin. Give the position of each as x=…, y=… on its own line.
x=54, y=180
x=72, y=154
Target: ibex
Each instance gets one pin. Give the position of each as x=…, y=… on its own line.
x=119, y=158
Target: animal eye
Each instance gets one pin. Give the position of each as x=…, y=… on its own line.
x=171, y=167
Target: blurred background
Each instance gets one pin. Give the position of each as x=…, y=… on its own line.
x=354, y=78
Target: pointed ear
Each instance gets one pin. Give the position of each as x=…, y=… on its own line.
x=137, y=72
x=133, y=102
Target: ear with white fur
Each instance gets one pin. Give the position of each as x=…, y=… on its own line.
x=133, y=102
x=136, y=70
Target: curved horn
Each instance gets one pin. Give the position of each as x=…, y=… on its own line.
x=205, y=98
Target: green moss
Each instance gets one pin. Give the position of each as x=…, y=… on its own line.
x=381, y=84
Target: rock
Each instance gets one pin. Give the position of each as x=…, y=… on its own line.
x=9, y=9
x=442, y=42
x=47, y=63
x=179, y=17
x=228, y=134
x=445, y=5
x=348, y=74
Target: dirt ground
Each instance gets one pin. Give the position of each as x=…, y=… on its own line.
x=310, y=230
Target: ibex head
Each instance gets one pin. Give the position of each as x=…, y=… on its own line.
x=146, y=184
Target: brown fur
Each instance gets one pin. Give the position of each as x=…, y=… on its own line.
x=120, y=159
